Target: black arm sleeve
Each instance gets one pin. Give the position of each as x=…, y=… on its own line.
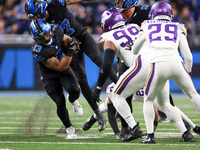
x=106, y=66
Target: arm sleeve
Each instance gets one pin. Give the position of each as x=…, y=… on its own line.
x=186, y=53
x=138, y=43
x=106, y=66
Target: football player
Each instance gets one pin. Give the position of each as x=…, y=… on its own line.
x=162, y=38
x=53, y=60
x=56, y=11
x=116, y=39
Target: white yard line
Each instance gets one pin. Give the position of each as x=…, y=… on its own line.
x=78, y=143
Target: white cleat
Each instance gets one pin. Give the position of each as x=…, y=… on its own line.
x=77, y=108
x=71, y=133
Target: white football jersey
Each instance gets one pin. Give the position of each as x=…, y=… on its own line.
x=162, y=38
x=123, y=39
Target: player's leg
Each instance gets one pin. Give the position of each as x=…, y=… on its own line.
x=70, y=83
x=124, y=128
x=164, y=102
x=112, y=119
x=91, y=49
x=54, y=89
x=155, y=86
x=92, y=120
x=184, y=81
x=125, y=87
x=129, y=82
x=78, y=66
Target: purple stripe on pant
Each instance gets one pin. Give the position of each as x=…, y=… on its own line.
x=129, y=76
x=150, y=79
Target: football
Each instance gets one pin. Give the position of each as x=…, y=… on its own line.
x=65, y=44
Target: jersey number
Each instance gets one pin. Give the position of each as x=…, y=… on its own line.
x=122, y=34
x=156, y=29
x=66, y=27
x=37, y=48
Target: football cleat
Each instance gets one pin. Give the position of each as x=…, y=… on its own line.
x=118, y=136
x=133, y=133
x=124, y=131
x=77, y=108
x=188, y=137
x=149, y=140
x=71, y=133
x=197, y=130
x=89, y=123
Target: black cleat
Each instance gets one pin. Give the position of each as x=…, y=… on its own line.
x=197, y=130
x=101, y=123
x=188, y=137
x=133, y=133
x=149, y=140
x=124, y=131
x=89, y=123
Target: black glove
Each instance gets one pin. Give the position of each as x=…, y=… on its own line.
x=78, y=49
x=72, y=46
x=96, y=94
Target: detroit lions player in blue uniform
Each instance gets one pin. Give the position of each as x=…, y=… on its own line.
x=56, y=11
x=53, y=60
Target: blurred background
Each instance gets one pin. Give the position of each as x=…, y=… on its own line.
x=18, y=70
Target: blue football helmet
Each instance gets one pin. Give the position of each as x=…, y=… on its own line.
x=161, y=10
x=122, y=5
x=33, y=7
x=111, y=19
x=41, y=31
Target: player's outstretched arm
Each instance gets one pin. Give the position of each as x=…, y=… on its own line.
x=109, y=49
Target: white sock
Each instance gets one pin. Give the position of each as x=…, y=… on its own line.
x=149, y=116
x=123, y=109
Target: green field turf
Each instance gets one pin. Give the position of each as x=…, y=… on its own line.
x=31, y=123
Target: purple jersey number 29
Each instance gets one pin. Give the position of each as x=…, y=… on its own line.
x=168, y=28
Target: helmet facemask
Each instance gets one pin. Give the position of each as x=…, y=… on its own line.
x=122, y=5
x=41, y=31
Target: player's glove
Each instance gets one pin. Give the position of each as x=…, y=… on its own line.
x=72, y=46
x=96, y=94
x=78, y=49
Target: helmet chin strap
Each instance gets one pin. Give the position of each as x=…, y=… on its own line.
x=50, y=42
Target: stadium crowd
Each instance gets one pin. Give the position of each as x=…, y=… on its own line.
x=13, y=19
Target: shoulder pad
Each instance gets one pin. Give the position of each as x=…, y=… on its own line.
x=183, y=28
